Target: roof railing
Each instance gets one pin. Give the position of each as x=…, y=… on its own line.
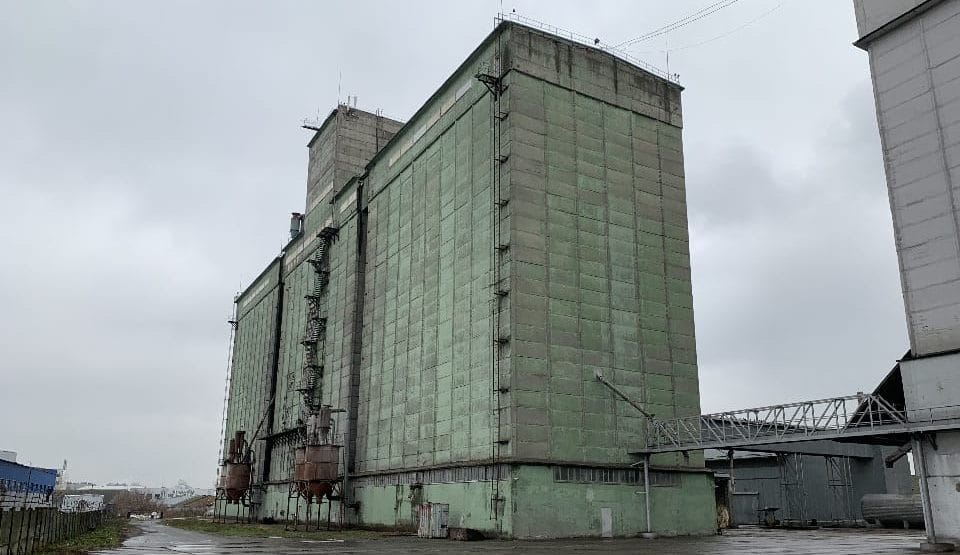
x=588, y=41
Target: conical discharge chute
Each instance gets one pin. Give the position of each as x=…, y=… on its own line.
x=235, y=474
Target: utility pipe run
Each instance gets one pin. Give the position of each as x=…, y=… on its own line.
x=619, y=393
x=646, y=487
x=646, y=458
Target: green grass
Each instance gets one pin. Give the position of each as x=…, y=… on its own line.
x=266, y=530
x=108, y=536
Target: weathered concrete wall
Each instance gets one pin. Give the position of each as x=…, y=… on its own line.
x=942, y=466
x=347, y=140
x=931, y=388
x=361, y=135
x=340, y=310
x=916, y=74
x=425, y=384
x=599, y=253
x=593, y=73
x=873, y=14
x=321, y=171
x=395, y=504
x=602, y=283
x=683, y=504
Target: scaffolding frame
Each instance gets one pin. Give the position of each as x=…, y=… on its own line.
x=840, y=488
x=792, y=490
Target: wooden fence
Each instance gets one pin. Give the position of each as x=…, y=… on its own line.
x=24, y=531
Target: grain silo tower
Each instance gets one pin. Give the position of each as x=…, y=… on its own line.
x=525, y=229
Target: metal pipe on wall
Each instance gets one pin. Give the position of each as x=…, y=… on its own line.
x=350, y=434
x=646, y=488
x=597, y=374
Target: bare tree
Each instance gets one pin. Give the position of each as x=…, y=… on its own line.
x=126, y=502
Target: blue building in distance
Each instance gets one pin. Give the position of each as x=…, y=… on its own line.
x=25, y=486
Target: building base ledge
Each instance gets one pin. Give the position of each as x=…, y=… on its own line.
x=938, y=547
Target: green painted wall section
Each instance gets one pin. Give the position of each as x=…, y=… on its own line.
x=252, y=360
x=601, y=274
x=469, y=502
x=545, y=508
x=426, y=383
x=534, y=505
x=339, y=309
x=574, y=508
x=687, y=509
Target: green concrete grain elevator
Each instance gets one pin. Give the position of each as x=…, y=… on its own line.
x=453, y=286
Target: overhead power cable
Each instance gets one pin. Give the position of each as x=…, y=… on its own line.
x=682, y=22
x=721, y=36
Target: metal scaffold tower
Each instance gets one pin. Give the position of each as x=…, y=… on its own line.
x=491, y=75
x=791, y=487
x=840, y=488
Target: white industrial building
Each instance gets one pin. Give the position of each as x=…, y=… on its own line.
x=914, y=49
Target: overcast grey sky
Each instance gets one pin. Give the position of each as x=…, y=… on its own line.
x=150, y=154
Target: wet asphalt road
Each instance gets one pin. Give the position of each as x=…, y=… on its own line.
x=163, y=540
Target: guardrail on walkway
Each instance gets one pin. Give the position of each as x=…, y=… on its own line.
x=24, y=531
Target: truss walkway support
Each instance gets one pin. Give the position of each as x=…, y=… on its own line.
x=863, y=416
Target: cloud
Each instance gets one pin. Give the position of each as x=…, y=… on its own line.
x=796, y=290
x=109, y=334
x=150, y=155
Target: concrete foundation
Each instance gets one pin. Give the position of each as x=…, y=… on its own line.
x=943, y=485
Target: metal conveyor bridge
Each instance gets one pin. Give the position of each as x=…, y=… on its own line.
x=868, y=417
